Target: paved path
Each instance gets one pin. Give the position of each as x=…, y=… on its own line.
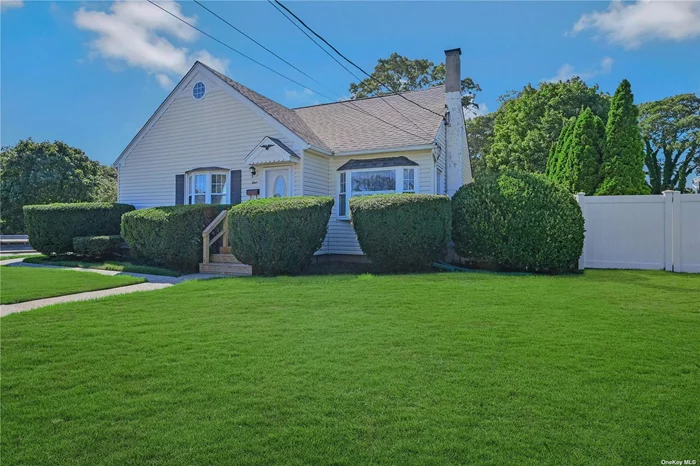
x=7, y=309
x=154, y=282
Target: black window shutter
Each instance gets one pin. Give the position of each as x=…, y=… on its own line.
x=235, y=187
x=179, y=189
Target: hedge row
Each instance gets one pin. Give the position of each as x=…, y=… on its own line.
x=52, y=227
x=402, y=232
x=97, y=247
x=279, y=235
x=171, y=236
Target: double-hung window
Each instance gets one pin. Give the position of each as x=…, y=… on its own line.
x=207, y=187
x=354, y=183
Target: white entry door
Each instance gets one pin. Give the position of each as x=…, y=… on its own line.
x=277, y=182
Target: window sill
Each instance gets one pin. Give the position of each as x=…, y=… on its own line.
x=343, y=219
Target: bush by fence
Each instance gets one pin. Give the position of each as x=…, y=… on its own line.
x=97, y=247
x=52, y=227
x=402, y=232
x=279, y=235
x=171, y=236
x=518, y=221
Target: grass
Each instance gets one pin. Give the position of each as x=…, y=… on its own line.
x=599, y=368
x=19, y=284
x=104, y=265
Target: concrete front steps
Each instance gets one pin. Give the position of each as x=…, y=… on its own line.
x=225, y=264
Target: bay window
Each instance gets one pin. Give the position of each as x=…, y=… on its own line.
x=207, y=187
x=353, y=183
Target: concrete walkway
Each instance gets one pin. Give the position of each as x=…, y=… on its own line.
x=154, y=282
x=7, y=309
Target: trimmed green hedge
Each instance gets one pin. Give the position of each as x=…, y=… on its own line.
x=171, y=236
x=518, y=221
x=97, y=247
x=279, y=235
x=52, y=227
x=402, y=232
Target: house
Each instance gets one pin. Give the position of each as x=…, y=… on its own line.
x=214, y=140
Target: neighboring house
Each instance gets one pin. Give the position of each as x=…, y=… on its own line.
x=216, y=141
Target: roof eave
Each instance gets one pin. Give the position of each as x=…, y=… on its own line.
x=385, y=150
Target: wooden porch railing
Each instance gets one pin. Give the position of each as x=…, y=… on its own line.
x=207, y=242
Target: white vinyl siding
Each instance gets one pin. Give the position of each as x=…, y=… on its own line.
x=341, y=237
x=316, y=182
x=216, y=131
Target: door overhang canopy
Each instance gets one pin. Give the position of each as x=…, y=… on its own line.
x=271, y=151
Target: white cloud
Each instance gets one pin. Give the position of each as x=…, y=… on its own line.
x=567, y=71
x=300, y=98
x=138, y=35
x=471, y=112
x=8, y=4
x=631, y=24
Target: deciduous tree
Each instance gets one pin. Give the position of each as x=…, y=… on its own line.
x=401, y=74
x=671, y=132
x=528, y=125
x=46, y=172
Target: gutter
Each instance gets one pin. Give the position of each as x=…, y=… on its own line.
x=386, y=150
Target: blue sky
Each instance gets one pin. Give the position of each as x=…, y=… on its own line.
x=92, y=73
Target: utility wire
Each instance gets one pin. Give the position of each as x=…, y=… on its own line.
x=263, y=47
x=238, y=52
x=350, y=61
x=340, y=63
x=274, y=71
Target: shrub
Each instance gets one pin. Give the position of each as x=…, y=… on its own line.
x=279, y=235
x=97, y=247
x=52, y=227
x=171, y=236
x=402, y=232
x=517, y=221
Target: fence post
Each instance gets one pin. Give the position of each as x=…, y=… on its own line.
x=581, y=199
x=668, y=230
x=676, y=219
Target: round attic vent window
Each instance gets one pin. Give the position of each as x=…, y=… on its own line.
x=199, y=90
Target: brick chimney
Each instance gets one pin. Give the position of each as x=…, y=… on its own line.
x=457, y=168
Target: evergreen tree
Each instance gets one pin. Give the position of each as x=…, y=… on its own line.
x=579, y=166
x=557, y=152
x=623, y=154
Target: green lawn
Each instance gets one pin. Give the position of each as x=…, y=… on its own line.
x=601, y=368
x=19, y=284
x=116, y=266
x=17, y=256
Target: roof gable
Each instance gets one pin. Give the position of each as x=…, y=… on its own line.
x=271, y=150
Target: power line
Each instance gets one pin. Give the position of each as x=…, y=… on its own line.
x=340, y=63
x=272, y=70
x=238, y=52
x=262, y=46
x=351, y=62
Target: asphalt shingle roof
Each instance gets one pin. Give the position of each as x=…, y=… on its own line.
x=346, y=126
x=349, y=125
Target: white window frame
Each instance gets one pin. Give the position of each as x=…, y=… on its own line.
x=398, y=177
x=189, y=185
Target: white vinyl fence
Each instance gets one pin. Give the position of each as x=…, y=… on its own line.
x=642, y=232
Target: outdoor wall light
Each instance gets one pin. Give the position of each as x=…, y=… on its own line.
x=252, y=170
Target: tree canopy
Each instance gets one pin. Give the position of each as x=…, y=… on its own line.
x=529, y=124
x=622, y=171
x=671, y=132
x=401, y=74
x=47, y=172
x=479, y=135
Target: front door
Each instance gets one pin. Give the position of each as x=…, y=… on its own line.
x=277, y=182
